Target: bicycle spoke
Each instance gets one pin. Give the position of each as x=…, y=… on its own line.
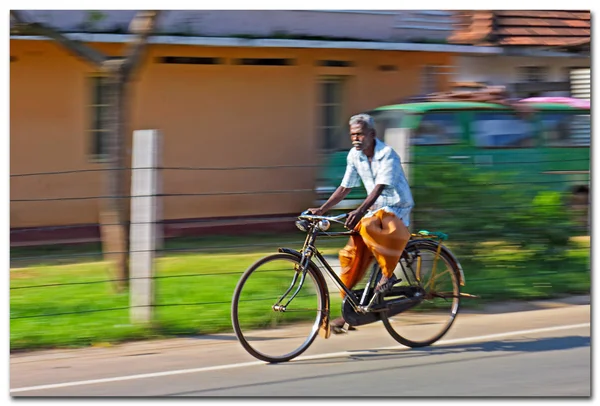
x=438, y=275
x=429, y=320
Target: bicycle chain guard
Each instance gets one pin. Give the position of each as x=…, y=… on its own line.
x=352, y=317
x=392, y=307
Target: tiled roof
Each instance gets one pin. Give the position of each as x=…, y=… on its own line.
x=521, y=27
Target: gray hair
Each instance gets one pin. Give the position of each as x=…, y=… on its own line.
x=365, y=120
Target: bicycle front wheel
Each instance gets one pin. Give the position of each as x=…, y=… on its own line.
x=439, y=279
x=270, y=333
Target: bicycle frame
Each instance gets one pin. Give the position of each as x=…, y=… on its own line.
x=354, y=300
x=309, y=251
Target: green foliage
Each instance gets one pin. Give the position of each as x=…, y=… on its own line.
x=475, y=204
x=497, y=225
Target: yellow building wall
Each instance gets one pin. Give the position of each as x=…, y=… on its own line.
x=218, y=116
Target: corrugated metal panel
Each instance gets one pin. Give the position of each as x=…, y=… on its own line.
x=580, y=130
x=580, y=83
x=417, y=25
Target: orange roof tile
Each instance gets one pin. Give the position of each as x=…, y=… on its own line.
x=522, y=27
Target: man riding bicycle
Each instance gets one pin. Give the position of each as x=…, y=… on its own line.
x=382, y=220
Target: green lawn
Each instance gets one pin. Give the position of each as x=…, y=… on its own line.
x=68, y=299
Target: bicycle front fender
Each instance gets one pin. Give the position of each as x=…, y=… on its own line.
x=324, y=330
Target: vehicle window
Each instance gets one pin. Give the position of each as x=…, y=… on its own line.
x=502, y=130
x=566, y=129
x=437, y=129
x=386, y=120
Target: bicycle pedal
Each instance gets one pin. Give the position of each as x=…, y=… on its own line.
x=396, y=282
x=390, y=287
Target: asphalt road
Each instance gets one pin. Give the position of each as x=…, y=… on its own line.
x=540, y=350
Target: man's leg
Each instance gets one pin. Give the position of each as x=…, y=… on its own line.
x=386, y=237
x=354, y=260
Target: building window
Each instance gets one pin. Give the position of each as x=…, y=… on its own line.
x=566, y=129
x=332, y=131
x=533, y=74
x=97, y=108
x=430, y=79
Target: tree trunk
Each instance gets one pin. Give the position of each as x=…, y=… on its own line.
x=114, y=212
x=114, y=209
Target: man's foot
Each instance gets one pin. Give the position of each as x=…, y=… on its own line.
x=337, y=326
x=385, y=284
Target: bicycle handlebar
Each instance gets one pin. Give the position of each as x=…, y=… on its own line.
x=311, y=217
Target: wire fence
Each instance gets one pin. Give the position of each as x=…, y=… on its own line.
x=270, y=167
x=216, y=258
x=262, y=192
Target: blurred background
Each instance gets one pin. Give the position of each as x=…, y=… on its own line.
x=252, y=110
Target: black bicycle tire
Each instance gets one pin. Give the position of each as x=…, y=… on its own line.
x=235, y=304
x=431, y=246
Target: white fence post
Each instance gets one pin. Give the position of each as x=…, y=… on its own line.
x=144, y=228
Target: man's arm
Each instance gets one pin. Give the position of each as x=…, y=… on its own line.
x=337, y=196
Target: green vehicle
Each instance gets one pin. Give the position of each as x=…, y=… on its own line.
x=551, y=146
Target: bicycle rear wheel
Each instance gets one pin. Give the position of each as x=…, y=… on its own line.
x=269, y=334
x=431, y=319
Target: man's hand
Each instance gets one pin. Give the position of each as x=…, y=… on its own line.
x=353, y=218
x=316, y=211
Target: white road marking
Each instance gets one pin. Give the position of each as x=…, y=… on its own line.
x=308, y=357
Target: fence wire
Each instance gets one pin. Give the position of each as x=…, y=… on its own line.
x=269, y=167
x=37, y=259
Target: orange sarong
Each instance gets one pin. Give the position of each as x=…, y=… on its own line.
x=383, y=236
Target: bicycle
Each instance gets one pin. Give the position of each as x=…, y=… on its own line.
x=416, y=286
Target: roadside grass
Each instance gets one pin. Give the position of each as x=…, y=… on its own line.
x=64, y=297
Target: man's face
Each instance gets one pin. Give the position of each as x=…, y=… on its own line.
x=361, y=139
